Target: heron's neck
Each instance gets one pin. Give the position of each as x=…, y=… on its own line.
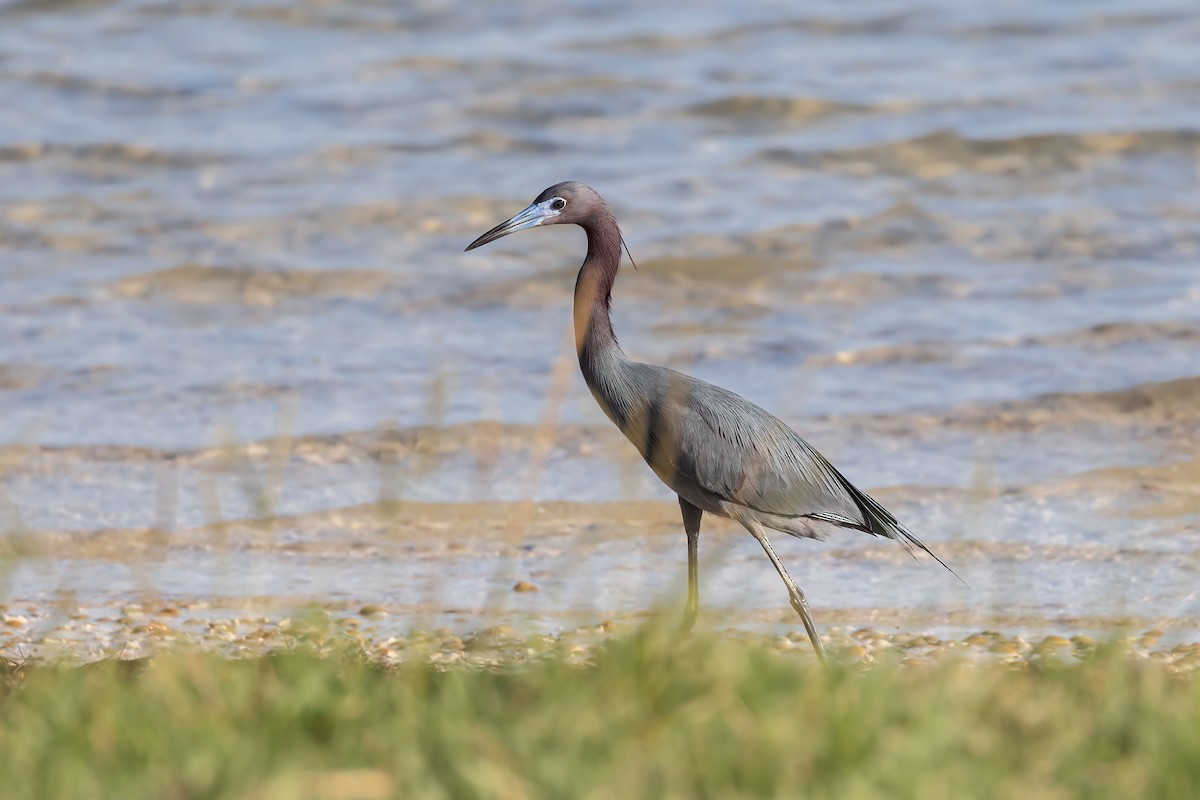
x=594, y=337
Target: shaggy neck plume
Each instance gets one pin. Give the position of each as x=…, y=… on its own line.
x=594, y=335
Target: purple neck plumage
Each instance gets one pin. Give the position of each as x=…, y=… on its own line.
x=593, y=289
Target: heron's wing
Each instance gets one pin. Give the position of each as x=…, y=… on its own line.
x=728, y=446
x=725, y=446
x=736, y=450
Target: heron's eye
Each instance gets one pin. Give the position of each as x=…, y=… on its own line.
x=558, y=204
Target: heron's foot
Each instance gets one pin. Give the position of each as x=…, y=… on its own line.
x=689, y=619
x=810, y=627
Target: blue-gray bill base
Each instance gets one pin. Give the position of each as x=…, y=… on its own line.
x=719, y=452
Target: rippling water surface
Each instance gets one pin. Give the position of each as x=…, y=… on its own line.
x=955, y=246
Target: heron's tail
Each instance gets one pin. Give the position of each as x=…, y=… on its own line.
x=880, y=522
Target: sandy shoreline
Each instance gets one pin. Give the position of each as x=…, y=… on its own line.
x=35, y=632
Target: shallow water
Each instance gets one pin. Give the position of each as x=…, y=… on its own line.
x=957, y=248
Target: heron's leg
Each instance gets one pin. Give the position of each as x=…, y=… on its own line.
x=691, y=526
x=794, y=593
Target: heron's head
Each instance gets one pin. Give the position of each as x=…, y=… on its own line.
x=567, y=202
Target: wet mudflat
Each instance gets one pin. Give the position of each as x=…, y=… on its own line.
x=245, y=368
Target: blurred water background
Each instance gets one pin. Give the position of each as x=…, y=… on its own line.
x=954, y=244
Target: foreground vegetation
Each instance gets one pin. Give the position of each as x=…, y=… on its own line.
x=650, y=716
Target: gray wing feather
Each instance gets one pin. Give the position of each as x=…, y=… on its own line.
x=711, y=444
x=740, y=452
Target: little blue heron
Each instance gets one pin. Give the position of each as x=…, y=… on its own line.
x=720, y=453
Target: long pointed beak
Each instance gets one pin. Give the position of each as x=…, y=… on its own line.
x=536, y=214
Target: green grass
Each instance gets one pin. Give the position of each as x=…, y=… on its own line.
x=652, y=717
